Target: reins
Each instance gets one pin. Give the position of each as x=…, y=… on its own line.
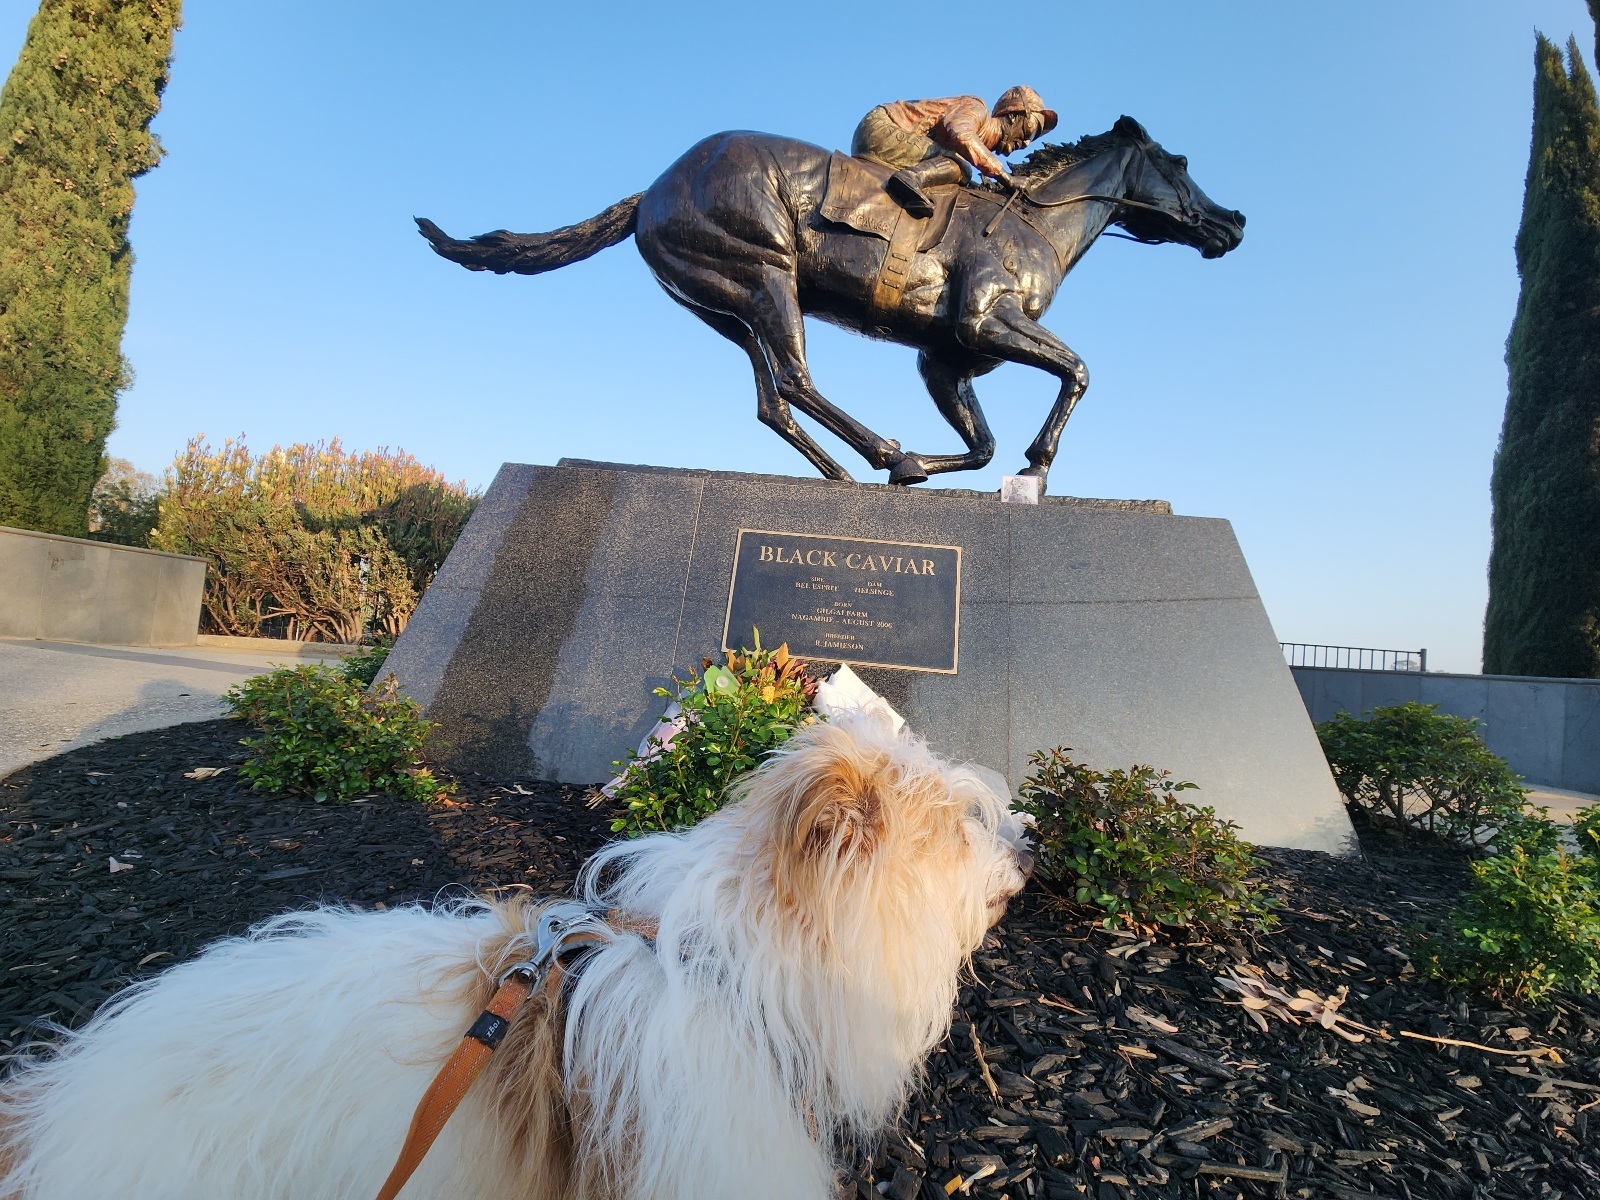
x=566, y=934
x=1021, y=190
x=1094, y=196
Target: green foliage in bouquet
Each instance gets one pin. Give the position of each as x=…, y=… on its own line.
x=733, y=716
x=324, y=735
x=1123, y=842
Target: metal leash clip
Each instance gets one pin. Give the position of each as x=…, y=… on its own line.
x=557, y=924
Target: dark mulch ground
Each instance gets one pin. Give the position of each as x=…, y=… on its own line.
x=211, y=857
x=1071, y=1071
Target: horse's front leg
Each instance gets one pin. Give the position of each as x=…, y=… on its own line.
x=1002, y=330
x=771, y=411
x=948, y=377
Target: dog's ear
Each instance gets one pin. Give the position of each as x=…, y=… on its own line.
x=834, y=819
x=841, y=813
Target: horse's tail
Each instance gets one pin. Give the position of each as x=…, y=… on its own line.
x=534, y=253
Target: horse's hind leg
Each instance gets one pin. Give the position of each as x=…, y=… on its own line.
x=771, y=409
x=776, y=318
x=949, y=381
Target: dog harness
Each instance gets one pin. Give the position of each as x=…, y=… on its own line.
x=567, y=933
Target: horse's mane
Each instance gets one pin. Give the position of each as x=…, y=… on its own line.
x=1052, y=157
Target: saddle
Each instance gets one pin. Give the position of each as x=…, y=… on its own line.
x=855, y=197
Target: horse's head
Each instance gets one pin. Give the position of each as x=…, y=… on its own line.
x=1178, y=211
x=1158, y=200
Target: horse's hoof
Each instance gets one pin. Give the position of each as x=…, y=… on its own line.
x=1039, y=473
x=908, y=470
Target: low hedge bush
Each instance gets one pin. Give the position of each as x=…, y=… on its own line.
x=323, y=734
x=363, y=666
x=1125, y=843
x=731, y=717
x=1422, y=769
x=311, y=542
x=1530, y=922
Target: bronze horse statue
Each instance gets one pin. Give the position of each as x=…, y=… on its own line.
x=736, y=232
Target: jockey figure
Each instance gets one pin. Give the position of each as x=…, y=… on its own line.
x=933, y=141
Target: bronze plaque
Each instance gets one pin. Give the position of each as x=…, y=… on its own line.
x=855, y=600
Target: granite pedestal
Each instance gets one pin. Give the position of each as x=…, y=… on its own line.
x=1113, y=627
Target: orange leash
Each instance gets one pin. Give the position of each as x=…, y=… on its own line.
x=557, y=936
x=451, y=1083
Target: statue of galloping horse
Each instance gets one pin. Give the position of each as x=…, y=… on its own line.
x=751, y=231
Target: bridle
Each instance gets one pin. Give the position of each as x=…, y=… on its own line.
x=1186, y=211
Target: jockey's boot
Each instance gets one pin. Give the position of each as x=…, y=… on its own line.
x=906, y=184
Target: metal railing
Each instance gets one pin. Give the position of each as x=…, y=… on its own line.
x=1354, y=658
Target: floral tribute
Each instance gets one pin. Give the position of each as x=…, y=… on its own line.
x=719, y=725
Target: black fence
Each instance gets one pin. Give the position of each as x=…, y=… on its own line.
x=1354, y=658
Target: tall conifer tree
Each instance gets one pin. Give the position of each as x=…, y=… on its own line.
x=1544, y=570
x=75, y=115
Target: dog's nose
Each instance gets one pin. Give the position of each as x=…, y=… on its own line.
x=1025, y=863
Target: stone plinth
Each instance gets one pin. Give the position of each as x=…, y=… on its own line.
x=1113, y=627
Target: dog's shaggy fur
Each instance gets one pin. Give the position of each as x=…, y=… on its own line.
x=809, y=938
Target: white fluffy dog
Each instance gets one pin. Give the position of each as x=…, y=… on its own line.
x=808, y=943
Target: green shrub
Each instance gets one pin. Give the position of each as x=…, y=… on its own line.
x=322, y=734
x=1586, y=829
x=125, y=505
x=733, y=716
x=1124, y=842
x=311, y=542
x=1533, y=831
x=363, y=666
x=1423, y=769
x=1530, y=924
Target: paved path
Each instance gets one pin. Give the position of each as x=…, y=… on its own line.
x=55, y=696
x=1563, y=805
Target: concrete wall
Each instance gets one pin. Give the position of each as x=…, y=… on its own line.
x=1547, y=729
x=65, y=589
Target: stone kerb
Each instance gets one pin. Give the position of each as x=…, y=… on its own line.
x=74, y=590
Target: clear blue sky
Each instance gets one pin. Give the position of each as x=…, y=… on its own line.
x=1334, y=387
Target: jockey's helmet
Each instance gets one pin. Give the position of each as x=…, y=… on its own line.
x=1023, y=99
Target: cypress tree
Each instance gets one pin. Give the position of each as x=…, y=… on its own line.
x=1544, y=570
x=74, y=134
